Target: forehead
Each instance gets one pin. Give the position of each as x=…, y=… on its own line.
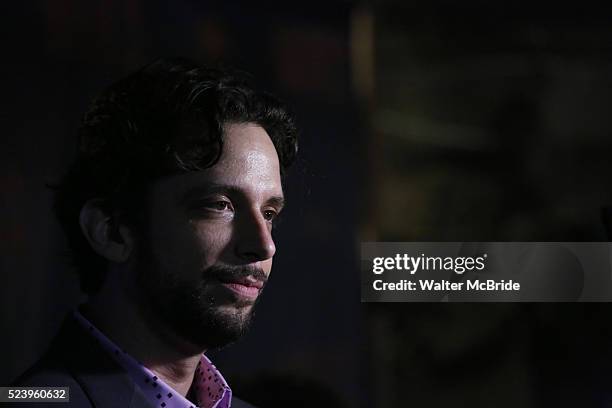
x=248, y=152
x=248, y=163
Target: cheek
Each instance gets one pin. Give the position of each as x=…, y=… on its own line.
x=211, y=240
x=174, y=250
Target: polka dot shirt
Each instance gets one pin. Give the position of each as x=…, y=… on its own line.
x=208, y=390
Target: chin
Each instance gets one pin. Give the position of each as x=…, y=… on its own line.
x=233, y=315
x=235, y=307
x=226, y=327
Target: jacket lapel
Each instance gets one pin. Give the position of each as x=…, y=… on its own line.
x=102, y=379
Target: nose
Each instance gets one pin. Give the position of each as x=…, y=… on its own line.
x=253, y=236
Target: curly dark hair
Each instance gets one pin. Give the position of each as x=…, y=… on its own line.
x=167, y=118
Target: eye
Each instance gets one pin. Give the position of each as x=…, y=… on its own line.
x=270, y=215
x=221, y=205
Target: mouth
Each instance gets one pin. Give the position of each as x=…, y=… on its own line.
x=245, y=288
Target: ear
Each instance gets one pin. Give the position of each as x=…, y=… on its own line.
x=107, y=237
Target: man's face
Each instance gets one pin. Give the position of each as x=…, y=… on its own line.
x=208, y=248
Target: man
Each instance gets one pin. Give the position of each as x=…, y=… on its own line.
x=169, y=209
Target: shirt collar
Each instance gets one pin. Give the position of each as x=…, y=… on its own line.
x=209, y=386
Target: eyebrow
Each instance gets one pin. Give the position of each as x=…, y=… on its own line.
x=212, y=188
x=277, y=201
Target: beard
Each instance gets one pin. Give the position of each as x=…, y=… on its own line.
x=202, y=312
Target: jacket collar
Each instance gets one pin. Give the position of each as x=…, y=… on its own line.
x=104, y=382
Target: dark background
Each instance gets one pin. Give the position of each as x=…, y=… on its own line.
x=435, y=121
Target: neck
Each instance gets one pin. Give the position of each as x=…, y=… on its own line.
x=121, y=320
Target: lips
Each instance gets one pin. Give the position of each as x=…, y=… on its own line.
x=247, y=287
x=246, y=281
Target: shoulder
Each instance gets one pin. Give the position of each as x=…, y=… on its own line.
x=43, y=375
x=68, y=360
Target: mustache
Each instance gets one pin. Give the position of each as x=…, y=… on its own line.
x=229, y=272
